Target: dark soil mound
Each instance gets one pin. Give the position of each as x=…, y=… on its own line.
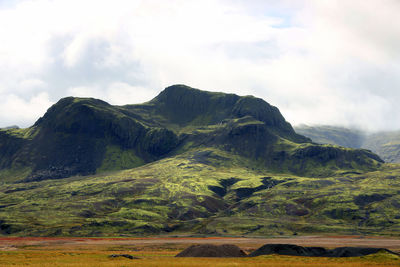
x=355, y=251
x=294, y=250
x=208, y=250
x=288, y=249
x=123, y=255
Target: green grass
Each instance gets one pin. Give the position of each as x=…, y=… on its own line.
x=116, y=159
x=14, y=174
x=26, y=133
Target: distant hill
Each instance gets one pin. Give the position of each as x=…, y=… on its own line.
x=326, y=134
x=385, y=144
x=10, y=127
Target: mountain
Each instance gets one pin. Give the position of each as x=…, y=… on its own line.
x=384, y=144
x=82, y=136
x=186, y=162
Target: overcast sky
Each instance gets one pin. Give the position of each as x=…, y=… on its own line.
x=319, y=62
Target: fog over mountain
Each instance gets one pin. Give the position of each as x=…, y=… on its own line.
x=386, y=144
x=320, y=62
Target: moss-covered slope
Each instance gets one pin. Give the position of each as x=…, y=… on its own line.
x=206, y=191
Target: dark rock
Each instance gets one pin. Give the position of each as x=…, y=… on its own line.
x=209, y=250
x=294, y=250
x=267, y=182
x=123, y=255
x=220, y=191
x=363, y=200
x=288, y=249
x=224, y=186
x=355, y=251
x=7, y=228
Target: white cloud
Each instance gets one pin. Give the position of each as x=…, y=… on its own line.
x=15, y=110
x=83, y=91
x=117, y=93
x=330, y=62
x=121, y=93
x=28, y=86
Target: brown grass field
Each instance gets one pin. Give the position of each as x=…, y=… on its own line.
x=37, y=251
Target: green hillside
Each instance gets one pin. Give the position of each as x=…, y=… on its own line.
x=186, y=162
x=207, y=191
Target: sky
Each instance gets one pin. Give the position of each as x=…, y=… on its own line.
x=320, y=62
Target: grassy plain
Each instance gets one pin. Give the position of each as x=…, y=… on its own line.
x=161, y=252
